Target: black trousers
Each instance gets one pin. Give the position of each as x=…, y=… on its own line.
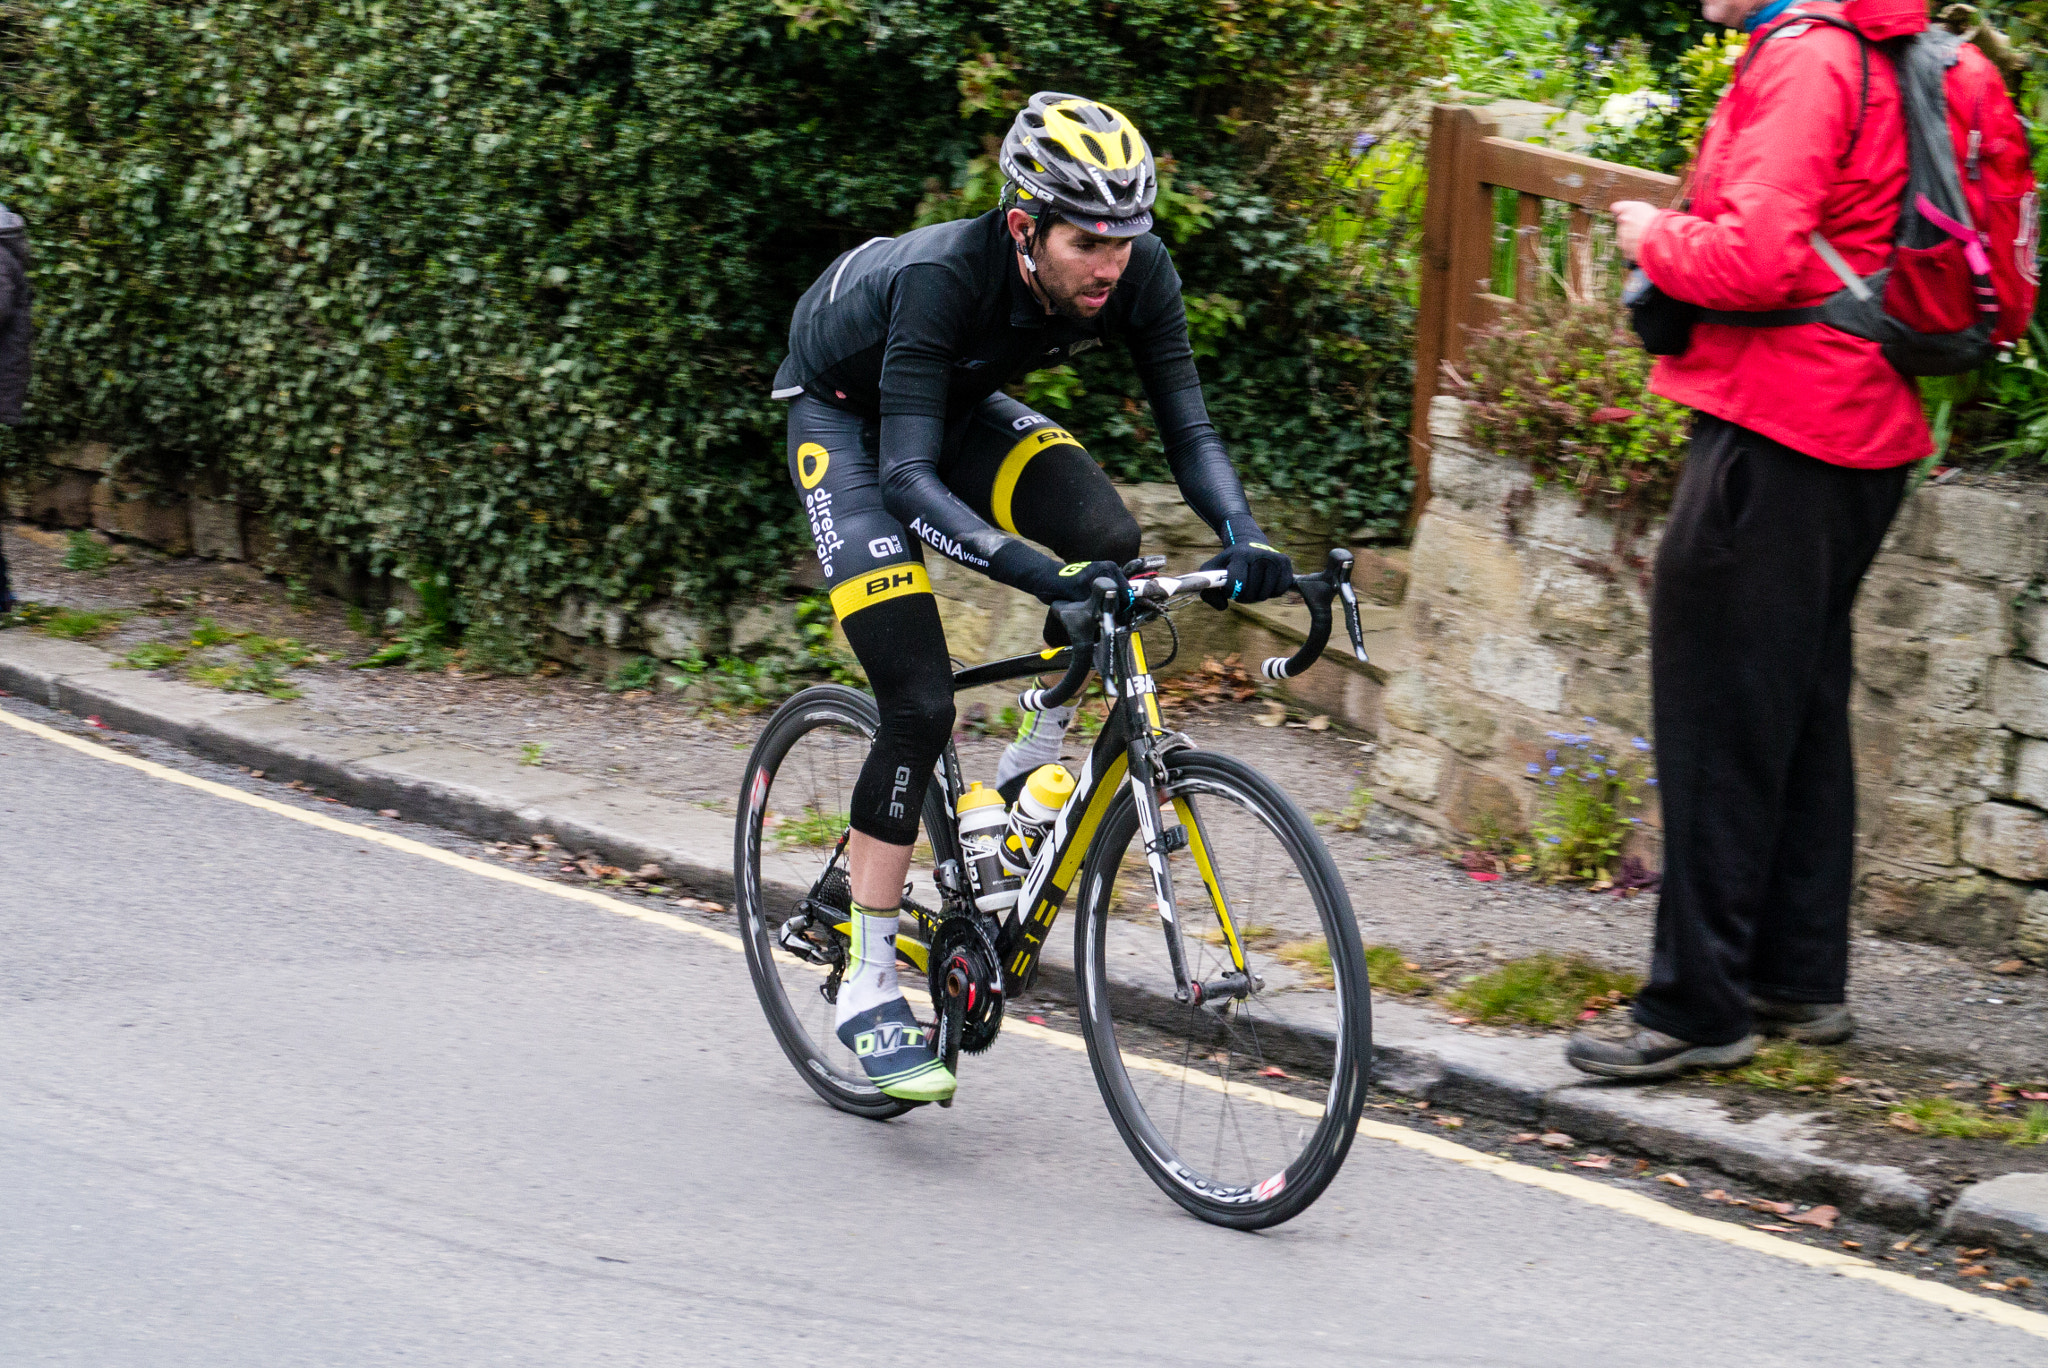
x=1749, y=673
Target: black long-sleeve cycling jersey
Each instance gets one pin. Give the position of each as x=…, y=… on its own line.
x=918, y=330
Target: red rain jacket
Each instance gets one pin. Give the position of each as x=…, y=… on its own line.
x=1778, y=161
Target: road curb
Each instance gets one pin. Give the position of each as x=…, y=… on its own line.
x=1509, y=1078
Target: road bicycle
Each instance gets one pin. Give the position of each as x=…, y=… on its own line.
x=1215, y=956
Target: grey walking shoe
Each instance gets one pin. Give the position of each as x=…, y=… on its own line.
x=1645, y=1054
x=1809, y=1023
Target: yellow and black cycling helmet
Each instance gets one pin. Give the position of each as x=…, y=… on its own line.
x=1082, y=160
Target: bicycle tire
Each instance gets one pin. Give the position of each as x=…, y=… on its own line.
x=759, y=899
x=1126, y=1015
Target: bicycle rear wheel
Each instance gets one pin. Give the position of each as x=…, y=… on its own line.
x=793, y=888
x=1241, y=1110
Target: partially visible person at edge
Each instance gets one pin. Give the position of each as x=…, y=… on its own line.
x=15, y=332
x=901, y=438
x=1799, y=454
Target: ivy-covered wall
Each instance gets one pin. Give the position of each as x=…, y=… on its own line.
x=496, y=287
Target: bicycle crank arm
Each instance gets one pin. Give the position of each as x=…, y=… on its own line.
x=953, y=1022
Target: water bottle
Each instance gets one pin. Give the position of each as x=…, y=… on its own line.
x=1045, y=793
x=983, y=822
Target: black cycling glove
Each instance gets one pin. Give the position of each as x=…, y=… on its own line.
x=1018, y=566
x=1257, y=572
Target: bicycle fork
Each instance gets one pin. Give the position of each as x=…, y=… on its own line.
x=1163, y=832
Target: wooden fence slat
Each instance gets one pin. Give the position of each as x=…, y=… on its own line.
x=1578, y=256
x=1471, y=267
x=1528, y=246
x=1584, y=181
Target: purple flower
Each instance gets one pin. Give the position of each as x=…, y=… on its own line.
x=1363, y=141
x=1556, y=771
x=1554, y=840
x=1551, y=756
x=1651, y=781
x=1535, y=73
x=1535, y=768
x=1639, y=743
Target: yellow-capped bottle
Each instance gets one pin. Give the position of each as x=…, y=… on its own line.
x=1038, y=806
x=983, y=822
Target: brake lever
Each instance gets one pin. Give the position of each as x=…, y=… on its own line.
x=1338, y=570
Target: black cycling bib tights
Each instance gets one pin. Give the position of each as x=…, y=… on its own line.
x=899, y=439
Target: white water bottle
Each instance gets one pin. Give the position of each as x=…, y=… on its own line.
x=983, y=823
x=1045, y=793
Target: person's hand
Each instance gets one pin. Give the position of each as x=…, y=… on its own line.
x=1257, y=572
x=1632, y=219
x=1052, y=582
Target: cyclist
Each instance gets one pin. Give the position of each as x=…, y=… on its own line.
x=900, y=437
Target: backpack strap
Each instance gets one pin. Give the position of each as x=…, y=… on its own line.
x=1863, y=45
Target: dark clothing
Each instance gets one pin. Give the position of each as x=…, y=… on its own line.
x=1010, y=466
x=916, y=332
x=1750, y=669
x=16, y=328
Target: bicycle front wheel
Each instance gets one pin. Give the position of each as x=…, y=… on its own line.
x=1243, y=1107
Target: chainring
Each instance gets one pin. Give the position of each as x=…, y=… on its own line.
x=965, y=940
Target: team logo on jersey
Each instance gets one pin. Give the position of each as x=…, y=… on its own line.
x=812, y=461
x=883, y=547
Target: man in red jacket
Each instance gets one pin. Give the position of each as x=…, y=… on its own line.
x=1799, y=454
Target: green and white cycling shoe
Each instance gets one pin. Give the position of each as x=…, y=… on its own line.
x=895, y=1051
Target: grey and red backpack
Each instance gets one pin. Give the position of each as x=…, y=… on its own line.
x=1963, y=271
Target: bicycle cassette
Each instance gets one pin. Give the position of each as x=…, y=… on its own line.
x=962, y=942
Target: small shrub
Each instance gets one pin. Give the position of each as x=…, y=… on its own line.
x=1353, y=815
x=27, y=614
x=814, y=828
x=1789, y=1066
x=73, y=625
x=1586, y=818
x=733, y=685
x=1390, y=972
x=638, y=673
x=152, y=655
x=207, y=633
x=1945, y=1116
x=1311, y=958
x=254, y=676
x=1562, y=387
x=1542, y=990
x=530, y=752
x=87, y=554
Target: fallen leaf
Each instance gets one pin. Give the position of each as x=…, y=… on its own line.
x=1271, y=1072
x=1905, y=1122
x=1777, y=1229
x=387, y=812
x=1461, y=1021
x=1036, y=1020
x=255, y=774
x=648, y=871
x=1965, y=1255
x=1555, y=1140
x=2021, y=1281
x=1642, y=1167
x=1482, y=876
x=1820, y=1218
x=1716, y=1195
x=1992, y=1286
x=1526, y=1138
x=2011, y=966
x=1594, y=1161
x=1320, y=722
x=330, y=800
x=1852, y=1244
x=1674, y=1179
x=1903, y=1244
x=1772, y=1208
x=1972, y=1271
x=1610, y=414
x=1451, y=1122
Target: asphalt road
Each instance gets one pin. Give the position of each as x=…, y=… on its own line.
x=275, y=1095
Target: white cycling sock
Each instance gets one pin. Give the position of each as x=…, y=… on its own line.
x=1038, y=743
x=870, y=977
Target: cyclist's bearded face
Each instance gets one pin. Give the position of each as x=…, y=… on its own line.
x=1077, y=271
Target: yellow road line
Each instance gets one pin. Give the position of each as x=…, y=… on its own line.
x=363, y=833
x=1563, y=1184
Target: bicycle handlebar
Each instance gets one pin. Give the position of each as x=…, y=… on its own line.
x=1083, y=620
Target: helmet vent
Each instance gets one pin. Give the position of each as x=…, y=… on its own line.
x=1094, y=148
x=1127, y=148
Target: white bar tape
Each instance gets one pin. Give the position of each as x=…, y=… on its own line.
x=1031, y=699
x=1275, y=667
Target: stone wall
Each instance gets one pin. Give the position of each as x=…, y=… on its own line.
x=1528, y=617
